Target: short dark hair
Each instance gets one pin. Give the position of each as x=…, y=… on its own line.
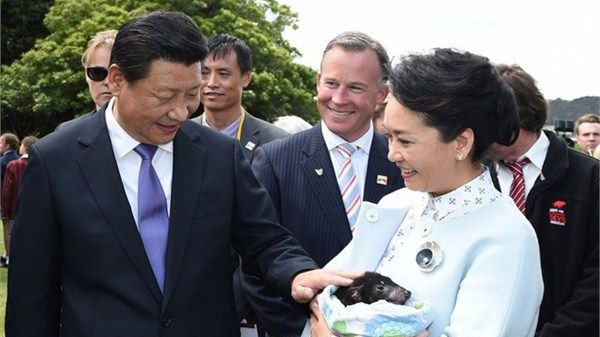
x=219, y=46
x=28, y=141
x=159, y=35
x=358, y=42
x=531, y=104
x=455, y=90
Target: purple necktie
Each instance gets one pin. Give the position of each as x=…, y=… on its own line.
x=153, y=219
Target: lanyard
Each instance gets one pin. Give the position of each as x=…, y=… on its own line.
x=241, y=125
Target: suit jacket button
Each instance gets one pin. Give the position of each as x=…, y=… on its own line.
x=166, y=321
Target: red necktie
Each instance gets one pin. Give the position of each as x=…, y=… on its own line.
x=517, y=187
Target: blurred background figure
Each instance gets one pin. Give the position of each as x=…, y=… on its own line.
x=9, y=145
x=378, y=118
x=10, y=188
x=292, y=124
x=587, y=133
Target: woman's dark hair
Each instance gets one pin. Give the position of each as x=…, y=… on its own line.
x=455, y=90
x=160, y=35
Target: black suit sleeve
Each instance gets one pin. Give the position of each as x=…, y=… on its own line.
x=33, y=304
x=278, y=315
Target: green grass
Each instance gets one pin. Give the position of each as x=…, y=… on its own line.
x=3, y=272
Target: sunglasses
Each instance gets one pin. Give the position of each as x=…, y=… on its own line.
x=97, y=74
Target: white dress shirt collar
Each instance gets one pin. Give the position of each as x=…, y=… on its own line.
x=332, y=140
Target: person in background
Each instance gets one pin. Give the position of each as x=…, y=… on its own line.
x=226, y=71
x=9, y=145
x=10, y=187
x=126, y=219
x=587, y=132
x=314, y=179
x=557, y=189
x=292, y=123
x=95, y=61
x=378, y=118
x=450, y=237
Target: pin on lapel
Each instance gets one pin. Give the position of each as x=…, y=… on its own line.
x=319, y=171
x=250, y=146
x=382, y=180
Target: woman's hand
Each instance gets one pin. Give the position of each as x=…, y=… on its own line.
x=318, y=326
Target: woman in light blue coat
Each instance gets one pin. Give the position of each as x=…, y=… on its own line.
x=450, y=237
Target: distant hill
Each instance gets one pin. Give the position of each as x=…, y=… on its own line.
x=571, y=110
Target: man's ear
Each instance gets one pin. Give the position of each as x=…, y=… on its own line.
x=246, y=78
x=116, y=80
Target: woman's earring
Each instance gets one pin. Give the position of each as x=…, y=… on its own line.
x=460, y=157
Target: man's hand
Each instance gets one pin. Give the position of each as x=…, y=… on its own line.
x=307, y=284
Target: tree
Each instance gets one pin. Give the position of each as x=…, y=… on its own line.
x=21, y=25
x=46, y=85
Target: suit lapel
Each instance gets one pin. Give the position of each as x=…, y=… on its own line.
x=249, y=139
x=319, y=173
x=378, y=170
x=189, y=161
x=98, y=166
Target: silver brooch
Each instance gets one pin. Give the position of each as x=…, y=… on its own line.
x=429, y=256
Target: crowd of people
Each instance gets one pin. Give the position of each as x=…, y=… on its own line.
x=134, y=219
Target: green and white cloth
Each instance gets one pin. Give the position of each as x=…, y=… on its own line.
x=379, y=319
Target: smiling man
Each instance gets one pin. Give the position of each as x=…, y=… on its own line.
x=126, y=219
x=227, y=71
x=317, y=178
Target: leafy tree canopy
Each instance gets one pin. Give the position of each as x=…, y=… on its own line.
x=46, y=85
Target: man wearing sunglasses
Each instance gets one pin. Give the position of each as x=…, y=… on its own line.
x=95, y=61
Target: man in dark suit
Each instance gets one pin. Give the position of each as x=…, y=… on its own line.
x=561, y=202
x=126, y=220
x=300, y=170
x=227, y=71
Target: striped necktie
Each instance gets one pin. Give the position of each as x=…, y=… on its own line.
x=349, y=183
x=517, y=187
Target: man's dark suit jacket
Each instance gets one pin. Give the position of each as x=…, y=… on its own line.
x=298, y=173
x=563, y=209
x=78, y=265
x=255, y=132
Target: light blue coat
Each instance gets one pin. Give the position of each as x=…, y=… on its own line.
x=489, y=282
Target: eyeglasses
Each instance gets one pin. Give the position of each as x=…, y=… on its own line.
x=97, y=74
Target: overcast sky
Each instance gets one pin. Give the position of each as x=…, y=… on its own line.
x=557, y=42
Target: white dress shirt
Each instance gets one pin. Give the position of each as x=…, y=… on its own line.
x=360, y=158
x=128, y=161
x=537, y=155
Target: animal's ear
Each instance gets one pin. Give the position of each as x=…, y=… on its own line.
x=355, y=293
